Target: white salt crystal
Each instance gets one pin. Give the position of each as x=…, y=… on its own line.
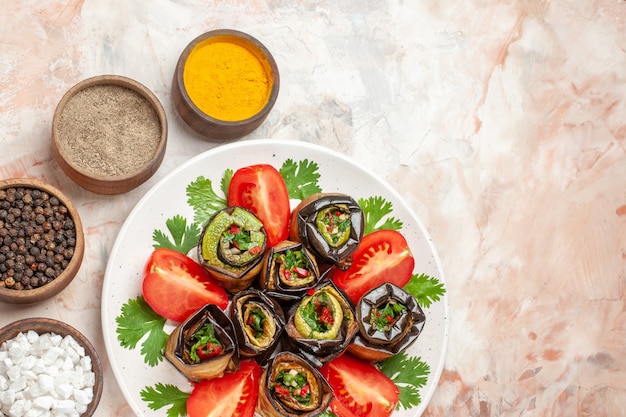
x=64, y=390
x=44, y=402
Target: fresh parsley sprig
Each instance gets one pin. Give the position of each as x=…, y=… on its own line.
x=164, y=395
x=301, y=178
x=138, y=320
x=204, y=200
x=183, y=237
x=425, y=289
x=375, y=210
x=409, y=374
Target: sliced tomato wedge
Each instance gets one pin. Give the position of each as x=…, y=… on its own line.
x=234, y=394
x=261, y=189
x=175, y=286
x=382, y=256
x=360, y=388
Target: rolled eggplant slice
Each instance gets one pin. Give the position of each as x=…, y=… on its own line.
x=202, y=346
x=389, y=319
x=232, y=246
x=289, y=270
x=258, y=321
x=291, y=386
x=322, y=325
x=330, y=225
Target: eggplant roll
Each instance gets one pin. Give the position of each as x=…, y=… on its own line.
x=289, y=270
x=202, y=346
x=258, y=321
x=322, y=325
x=330, y=225
x=389, y=319
x=292, y=387
x=232, y=246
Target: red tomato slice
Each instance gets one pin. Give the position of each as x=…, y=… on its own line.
x=175, y=286
x=235, y=394
x=262, y=190
x=361, y=389
x=382, y=256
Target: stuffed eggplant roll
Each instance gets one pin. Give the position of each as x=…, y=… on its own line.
x=232, y=246
x=330, y=225
x=202, y=346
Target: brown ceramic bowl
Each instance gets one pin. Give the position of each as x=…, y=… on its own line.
x=38, y=294
x=109, y=134
x=42, y=325
x=205, y=118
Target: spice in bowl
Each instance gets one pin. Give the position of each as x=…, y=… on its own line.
x=226, y=79
x=225, y=84
x=41, y=241
x=38, y=238
x=109, y=134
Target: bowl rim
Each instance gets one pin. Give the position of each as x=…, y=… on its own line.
x=35, y=295
x=127, y=181
x=242, y=37
x=43, y=325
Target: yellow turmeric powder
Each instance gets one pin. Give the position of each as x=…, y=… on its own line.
x=226, y=79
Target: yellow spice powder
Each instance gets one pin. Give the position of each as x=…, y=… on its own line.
x=226, y=80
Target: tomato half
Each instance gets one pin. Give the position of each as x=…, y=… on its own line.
x=261, y=189
x=235, y=394
x=361, y=389
x=175, y=286
x=382, y=256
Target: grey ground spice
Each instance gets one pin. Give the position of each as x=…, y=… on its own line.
x=108, y=130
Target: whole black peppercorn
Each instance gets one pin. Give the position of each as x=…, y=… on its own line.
x=37, y=238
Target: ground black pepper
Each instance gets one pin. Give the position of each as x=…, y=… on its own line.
x=37, y=238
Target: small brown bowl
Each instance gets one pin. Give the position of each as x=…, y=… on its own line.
x=52, y=288
x=43, y=325
x=217, y=118
x=109, y=134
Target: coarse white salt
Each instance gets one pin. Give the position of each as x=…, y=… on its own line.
x=45, y=375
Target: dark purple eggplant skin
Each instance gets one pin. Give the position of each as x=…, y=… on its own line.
x=246, y=349
x=303, y=228
x=372, y=345
x=317, y=351
x=270, y=406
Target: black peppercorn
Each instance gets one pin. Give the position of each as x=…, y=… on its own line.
x=37, y=238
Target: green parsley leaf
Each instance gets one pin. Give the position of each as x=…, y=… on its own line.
x=409, y=374
x=163, y=395
x=300, y=178
x=375, y=209
x=138, y=320
x=425, y=289
x=203, y=200
x=225, y=182
x=184, y=237
x=328, y=413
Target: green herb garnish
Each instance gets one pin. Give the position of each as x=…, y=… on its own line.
x=294, y=384
x=256, y=319
x=138, y=320
x=409, y=374
x=425, y=289
x=375, y=209
x=318, y=313
x=184, y=238
x=163, y=395
x=384, y=318
x=206, y=345
x=300, y=178
x=203, y=200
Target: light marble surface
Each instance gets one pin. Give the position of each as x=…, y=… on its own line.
x=502, y=123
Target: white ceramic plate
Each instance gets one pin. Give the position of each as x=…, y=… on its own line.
x=166, y=199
